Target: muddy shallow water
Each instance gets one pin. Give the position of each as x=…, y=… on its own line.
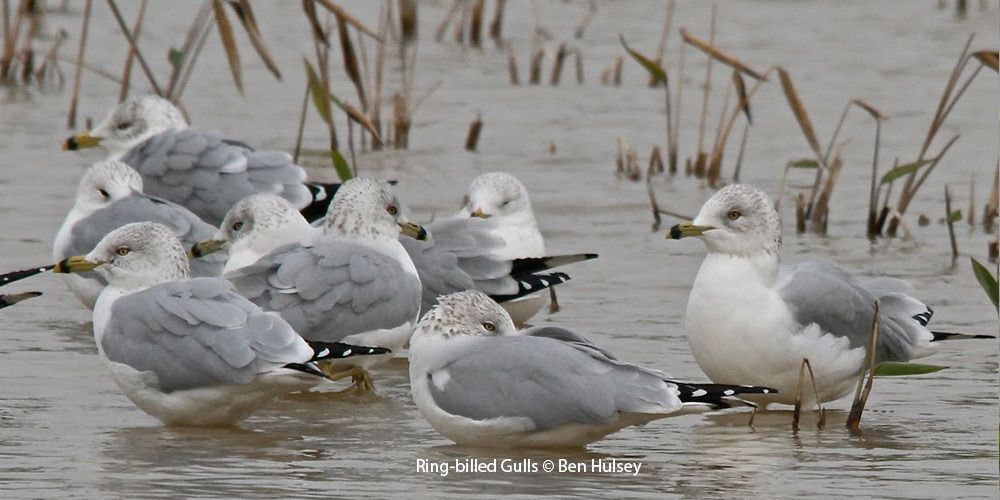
x=66, y=430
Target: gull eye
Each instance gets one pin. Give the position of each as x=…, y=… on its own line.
x=104, y=194
x=392, y=210
x=508, y=202
x=489, y=327
x=124, y=125
x=237, y=226
x=734, y=214
x=123, y=251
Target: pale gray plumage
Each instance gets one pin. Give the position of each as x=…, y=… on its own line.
x=208, y=174
x=557, y=383
x=198, y=333
x=331, y=289
x=138, y=207
x=458, y=256
x=823, y=293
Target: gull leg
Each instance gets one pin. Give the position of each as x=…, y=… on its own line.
x=359, y=376
x=554, y=302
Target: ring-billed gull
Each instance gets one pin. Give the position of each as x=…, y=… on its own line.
x=456, y=255
x=110, y=195
x=462, y=254
x=478, y=382
x=503, y=200
x=202, y=171
x=751, y=319
x=190, y=351
x=354, y=283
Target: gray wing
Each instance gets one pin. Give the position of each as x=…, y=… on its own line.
x=208, y=174
x=458, y=256
x=331, y=289
x=553, y=383
x=198, y=333
x=138, y=207
x=821, y=292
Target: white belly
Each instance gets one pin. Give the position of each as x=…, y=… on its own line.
x=209, y=406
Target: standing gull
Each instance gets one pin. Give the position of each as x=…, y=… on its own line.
x=190, y=351
x=502, y=199
x=110, y=195
x=353, y=283
x=752, y=320
x=480, y=383
x=201, y=170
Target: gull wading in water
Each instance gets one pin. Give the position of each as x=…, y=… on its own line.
x=752, y=320
x=109, y=196
x=455, y=255
x=191, y=351
x=353, y=282
x=202, y=171
x=481, y=383
x=502, y=199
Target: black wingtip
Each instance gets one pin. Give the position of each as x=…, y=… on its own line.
x=943, y=336
x=529, y=284
x=719, y=395
x=339, y=350
x=14, y=298
x=20, y=275
x=322, y=194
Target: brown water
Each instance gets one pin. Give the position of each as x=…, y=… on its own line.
x=66, y=430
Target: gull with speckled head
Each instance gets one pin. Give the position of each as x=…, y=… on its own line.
x=481, y=383
x=456, y=255
x=353, y=283
x=752, y=320
x=110, y=195
x=502, y=199
x=202, y=171
x=191, y=351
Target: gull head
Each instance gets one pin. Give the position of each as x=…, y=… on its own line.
x=470, y=313
x=497, y=194
x=133, y=257
x=260, y=216
x=104, y=183
x=129, y=124
x=369, y=209
x=738, y=220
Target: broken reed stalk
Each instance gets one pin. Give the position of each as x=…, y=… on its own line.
x=535, y=74
x=864, y=388
x=462, y=21
x=700, y=159
x=449, y=15
x=951, y=224
x=476, y=23
x=800, y=214
x=302, y=125
x=718, y=144
x=675, y=132
x=228, y=40
x=578, y=62
x=872, y=228
x=496, y=26
x=578, y=33
x=971, y=217
x=661, y=49
x=742, y=107
x=195, y=33
x=657, y=221
x=375, y=111
x=945, y=105
x=133, y=45
x=127, y=69
x=472, y=139
x=78, y=75
x=189, y=61
x=821, y=211
x=990, y=209
x=557, y=64
x=512, y=65
x=798, y=397
x=407, y=20
x=805, y=124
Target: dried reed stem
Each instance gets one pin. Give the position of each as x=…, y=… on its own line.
x=951, y=224
x=861, y=394
x=472, y=139
x=133, y=44
x=127, y=69
x=78, y=75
